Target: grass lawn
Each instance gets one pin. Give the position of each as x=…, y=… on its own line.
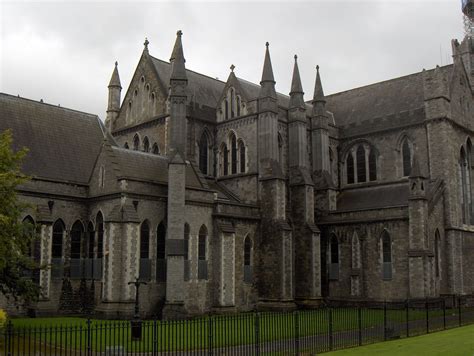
x=458, y=341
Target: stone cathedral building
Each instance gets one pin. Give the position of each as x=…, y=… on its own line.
x=226, y=196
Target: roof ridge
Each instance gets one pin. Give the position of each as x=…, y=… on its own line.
x=148, y=154
x=258, y=85
x=190, y=70
x=52, y=105
x=387, y=80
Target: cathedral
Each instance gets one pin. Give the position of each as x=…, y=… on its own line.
x=227, y=196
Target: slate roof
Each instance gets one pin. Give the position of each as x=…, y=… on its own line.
x=149, y=167
x=63, y=143
x=203, y=90
x=373, y=197
x=378, y=100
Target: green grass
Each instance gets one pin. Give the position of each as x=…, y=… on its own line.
x=454, y=342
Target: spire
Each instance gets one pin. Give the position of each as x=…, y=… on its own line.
x=268, y=82
x=177, y=60
x=296, y=93
x=318, y=89
x=115, y=79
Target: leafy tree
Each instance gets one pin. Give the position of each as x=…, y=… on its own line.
x=16, y=237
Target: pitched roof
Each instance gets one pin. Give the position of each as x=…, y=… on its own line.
x=373, y=197
x=202, y=89
x=378, y=100
x=149, y=167
x=63, y=143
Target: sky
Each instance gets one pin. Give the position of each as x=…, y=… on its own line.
x=64, y=52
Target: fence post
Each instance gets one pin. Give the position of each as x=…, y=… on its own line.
x=407, y=312
x=155, y=338
x=330, y=329
x=459, y=310
x=88, y=342
x=359, y=320
x=257, y=334
x=444, y=314
x=297, y=333
x=9, y=337
x=385, y=320
x=427, y=316
x=209, y=336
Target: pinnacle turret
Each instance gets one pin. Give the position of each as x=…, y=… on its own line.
x=268, y=82
x=296, y=93
x=178, y=70
x=319, y=101
x=115, y=79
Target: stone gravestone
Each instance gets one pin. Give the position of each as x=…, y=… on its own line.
x=114, y=351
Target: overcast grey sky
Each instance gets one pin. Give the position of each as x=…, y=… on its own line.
x=64, y=52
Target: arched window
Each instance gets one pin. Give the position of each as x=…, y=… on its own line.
x=226, y=109
x=126, y=145
x=280, y=150
x=146, y=145
x=242, y=156
x=232, y=101
x=99, y=223
x=238, y=105
x=469, y=212
x=33, y=248
x=77, y=232
x=144, y=269
x=161, y=252
x=372, y=165
x=463, y=188
x=248, y=273
x=360, y=156
x=386, y=255
x=187, y=265
x=136, y=142
x=76, y=253
x=334, y=258
x=204, y=154
x=224, y=160
x=350, y=168
x=233, y=148
x=155, y=149
x=406, y=157
x=436, y=253
x=202, y=253
x=57, y=250
x=90, y=240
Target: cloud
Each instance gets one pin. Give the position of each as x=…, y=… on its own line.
x=64, y=52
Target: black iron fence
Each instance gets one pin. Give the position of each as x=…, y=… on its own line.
x=338, y=325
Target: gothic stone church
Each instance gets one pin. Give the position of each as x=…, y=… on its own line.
x=229, y=196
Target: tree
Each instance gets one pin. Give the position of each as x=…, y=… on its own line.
x=16, y=236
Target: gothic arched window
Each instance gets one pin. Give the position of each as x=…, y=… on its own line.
x=187, y=266
x=161, y=252
x=126, y=145
x=334, y=258
x=406, y=157
x=233, y=148
x=202, y=253
x=232, y=100
x=57, y=250
x=136, y=142
x=386, y=255
x=248, y=260
x=372, y=165
x=361, y=169
x=90, y=240
x=146, y=145
x=350, y=168
x=204, y=154
x=144, y=267
x=436, y=253
x=77, y=232
x=464, y=189
x=238, y=105
x=99, y=223
x=226, y=103
x=155, y=149
x=242, y=156
x=224, y=160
